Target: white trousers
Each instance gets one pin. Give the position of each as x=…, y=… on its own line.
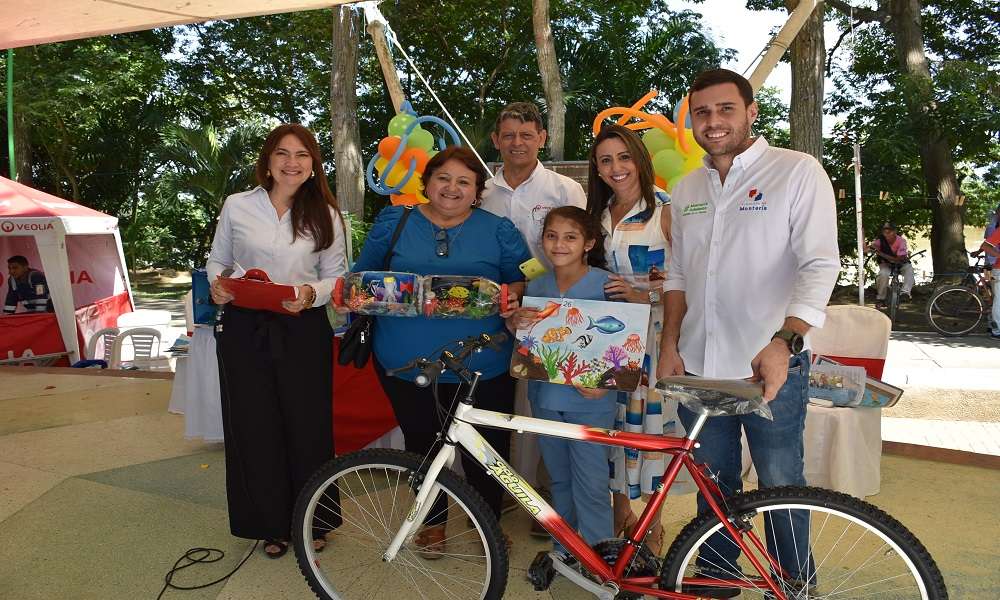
x=882, y=280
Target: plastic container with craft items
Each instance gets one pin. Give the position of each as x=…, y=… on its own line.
x=389, y=293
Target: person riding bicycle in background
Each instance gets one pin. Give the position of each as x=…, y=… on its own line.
x=991, y=246
x=891, y=249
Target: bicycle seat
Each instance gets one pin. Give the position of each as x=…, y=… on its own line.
x=716, y=397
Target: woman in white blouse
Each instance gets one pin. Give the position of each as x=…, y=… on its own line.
x=276, y=370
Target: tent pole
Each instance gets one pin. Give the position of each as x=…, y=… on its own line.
x=781, y=42
x=376, y=29
x=857, y=219
x=10, y=114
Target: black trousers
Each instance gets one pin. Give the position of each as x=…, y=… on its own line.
x=418, y=418
x=276, y=376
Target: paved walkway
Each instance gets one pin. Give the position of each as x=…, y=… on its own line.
x=964, y=372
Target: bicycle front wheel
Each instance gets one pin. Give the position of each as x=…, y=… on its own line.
x=839, y=547
x=361, y=500
x=955, y=311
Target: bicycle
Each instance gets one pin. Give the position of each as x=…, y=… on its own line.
x=896, y=285
x=385, y=496
x=955, y=310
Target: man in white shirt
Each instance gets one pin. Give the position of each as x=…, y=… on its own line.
x=753, y=263
x=523, y=190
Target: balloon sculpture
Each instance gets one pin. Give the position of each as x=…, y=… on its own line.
x=402, y=156
x=671, y=147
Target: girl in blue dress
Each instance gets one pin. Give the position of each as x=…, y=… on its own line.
x=572, y=241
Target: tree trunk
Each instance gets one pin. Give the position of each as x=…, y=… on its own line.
x=22, y=149
x=947, y=236
x=344, y=112
x=808, y=54
x=548, y=67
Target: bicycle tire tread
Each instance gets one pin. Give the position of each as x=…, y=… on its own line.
x=827, y=498
x=447, y=479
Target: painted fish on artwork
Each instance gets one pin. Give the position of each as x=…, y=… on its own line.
x=606, y=324
x=556, y=334
x=551, y=309
x=583, y=341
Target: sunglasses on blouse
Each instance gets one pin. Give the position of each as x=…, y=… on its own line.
x=441, y=238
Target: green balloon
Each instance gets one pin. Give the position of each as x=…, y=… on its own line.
x=673, y=181
x=420, y=138
x=399, y=123
x=668, y=163
x=655, y=140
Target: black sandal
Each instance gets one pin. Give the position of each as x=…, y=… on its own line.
x=282, y=548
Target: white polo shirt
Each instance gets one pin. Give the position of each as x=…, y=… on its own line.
x=749, y=253
x=527, y=205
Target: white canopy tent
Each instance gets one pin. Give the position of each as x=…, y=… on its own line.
x=30, y=22
x=60, y=228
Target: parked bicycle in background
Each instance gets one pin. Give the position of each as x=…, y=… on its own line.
x=958, y=309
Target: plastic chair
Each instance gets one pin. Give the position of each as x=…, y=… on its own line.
x=106, y=339
x=142, y=339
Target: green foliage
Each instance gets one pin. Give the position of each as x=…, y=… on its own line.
x=551, y=356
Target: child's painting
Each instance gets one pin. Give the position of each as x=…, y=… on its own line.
x=590, y=343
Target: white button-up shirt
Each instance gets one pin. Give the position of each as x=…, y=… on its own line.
x=750, y=252
x=527, y=205
x=251, y=235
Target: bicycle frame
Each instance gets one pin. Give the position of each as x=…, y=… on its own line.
x=462, y=432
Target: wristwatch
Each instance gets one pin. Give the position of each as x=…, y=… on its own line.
x=654, y=296
x=794, y=341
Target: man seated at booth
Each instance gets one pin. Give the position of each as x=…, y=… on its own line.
x=26, y=286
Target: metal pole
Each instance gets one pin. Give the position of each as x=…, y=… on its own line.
x=10, y=113
x=857, y=217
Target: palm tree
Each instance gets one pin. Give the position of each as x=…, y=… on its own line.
x=202, y=166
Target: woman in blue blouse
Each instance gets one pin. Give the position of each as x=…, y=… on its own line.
x=447, y=236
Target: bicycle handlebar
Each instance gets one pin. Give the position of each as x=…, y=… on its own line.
x=429, y=370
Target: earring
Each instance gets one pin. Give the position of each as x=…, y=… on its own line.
x=269, y=173
x=313, y=174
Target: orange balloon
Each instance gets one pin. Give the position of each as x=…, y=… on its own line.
x=660, y=183
x=417, y=154
x=388, y=146
x=405, y=200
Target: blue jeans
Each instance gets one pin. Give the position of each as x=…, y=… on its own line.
x=579, y=473
x=776, y=448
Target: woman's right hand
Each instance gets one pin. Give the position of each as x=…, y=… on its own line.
x=219, y=294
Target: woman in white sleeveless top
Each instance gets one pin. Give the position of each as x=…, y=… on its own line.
x=635, y=216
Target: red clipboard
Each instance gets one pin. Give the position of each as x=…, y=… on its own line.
x=255, y=290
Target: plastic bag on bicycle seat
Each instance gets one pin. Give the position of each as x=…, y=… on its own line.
x=716, y=397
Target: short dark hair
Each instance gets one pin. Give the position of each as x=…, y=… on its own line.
x=17, y=259
x=463, y=155
x=525, y=112
x=707, y=79
x=589, y=226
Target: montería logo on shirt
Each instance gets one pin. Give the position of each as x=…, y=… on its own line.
x=754, y=201
x=698, y=208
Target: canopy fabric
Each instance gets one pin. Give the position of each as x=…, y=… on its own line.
x=30, y=22
x=24, y=210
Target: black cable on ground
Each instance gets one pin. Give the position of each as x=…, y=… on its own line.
x=196, y=556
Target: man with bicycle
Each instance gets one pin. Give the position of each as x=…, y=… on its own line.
x=754, y=262
x=891, y=249
x=991, y=246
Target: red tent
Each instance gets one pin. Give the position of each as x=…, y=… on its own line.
x=80, y=251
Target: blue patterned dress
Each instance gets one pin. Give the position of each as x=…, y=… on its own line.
x=638, y=250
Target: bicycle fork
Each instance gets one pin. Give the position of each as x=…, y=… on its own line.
x=423, y=503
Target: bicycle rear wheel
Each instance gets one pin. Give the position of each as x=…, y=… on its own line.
x=853, y=550
x=376, y=490
x=893, y=299
x=954, y=311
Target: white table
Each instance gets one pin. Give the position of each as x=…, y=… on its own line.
x=195, y=393
x=843, y=450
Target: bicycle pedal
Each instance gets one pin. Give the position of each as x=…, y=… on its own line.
x=541, y=572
